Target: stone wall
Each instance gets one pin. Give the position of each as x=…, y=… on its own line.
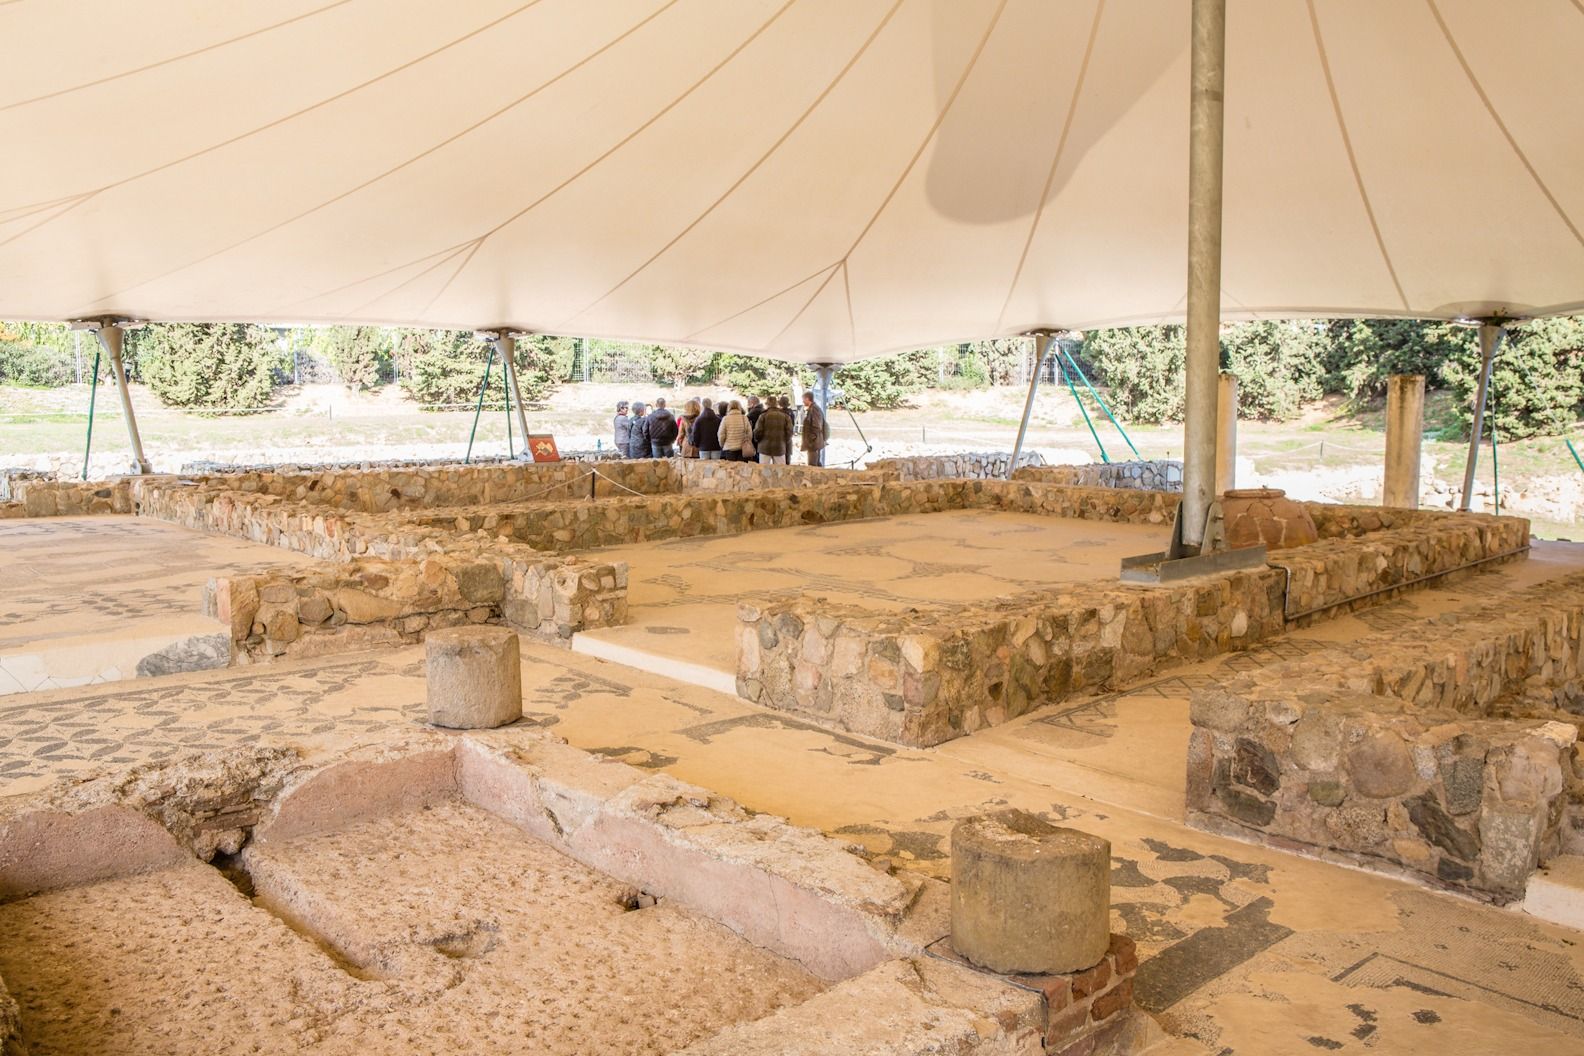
x=1156, y=475
x=930, y=675
x=971, y=465
x=940, y=672
x=420, y=487
x=1446, y=750
x=211, y=468
x=338, y=607
x=717, y=475
x=1344, y=571
x=40, y=496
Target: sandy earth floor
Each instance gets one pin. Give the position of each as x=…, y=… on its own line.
x=89, y=599
x=1245, y=950
x=683, y=594
x=436, y=930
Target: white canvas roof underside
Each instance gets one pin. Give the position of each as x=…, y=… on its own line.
x=816, y=180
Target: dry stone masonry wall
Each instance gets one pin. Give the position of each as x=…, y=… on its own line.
x=930, y=675
x=1156, y=475
x=1447, y=751
x=973, y=465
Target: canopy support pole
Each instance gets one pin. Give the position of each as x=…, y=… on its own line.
x=1043, y=339
x=1206, y=103
x=1491, y=335
x=504, y=342
x=110, y=333
x=822, y=386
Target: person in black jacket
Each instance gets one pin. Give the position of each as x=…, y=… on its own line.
x=755, y=409
x=705, y=432
x=662, y=431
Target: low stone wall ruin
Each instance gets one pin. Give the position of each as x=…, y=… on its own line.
x=931, y=675
x=940, y=672
x=1446, y=751
x=337, y=607
x=971, y=465
x=38, y=495
x=1157, y=475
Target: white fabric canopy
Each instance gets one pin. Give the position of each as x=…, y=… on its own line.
x=814, y=180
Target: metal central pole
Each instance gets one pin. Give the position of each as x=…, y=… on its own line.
x=110, y=336
x=1490, y=336
x=505, y=343
x=1206, y=103
x=1043, y=339
x=822, y=386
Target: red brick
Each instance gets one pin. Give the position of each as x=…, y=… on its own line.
x=1124, y=953
x=1056, y=988
x=1113, y=1000
x=1092, y=981
x=1062, y=1025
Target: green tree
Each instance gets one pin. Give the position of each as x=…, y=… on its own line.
x=1002, y=360
x=361, y=355
x=231, y=365
x=1144, y=367
x=677, y=365
x=1537, y=381
x=1278, y=366
x=881, y=384
x=37, y=355
x=755, y=375
x=445, y=366
x=1363, y=353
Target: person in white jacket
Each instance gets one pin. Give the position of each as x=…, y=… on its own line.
x=735, y=434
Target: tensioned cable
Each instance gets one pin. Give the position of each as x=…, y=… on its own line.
x=1347, y=145
x=176, y=58
x=1490, y=108
x=1061, y=149
x=929, y=136
x=804, y=116
x=89, y=195
x=761, y=303
x=738, y=50
x=521, y=99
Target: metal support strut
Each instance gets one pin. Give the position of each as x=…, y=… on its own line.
x=1043, y=340
x=504, y=342
x=1491, y=335
x=110, y=333
x=1206, y=102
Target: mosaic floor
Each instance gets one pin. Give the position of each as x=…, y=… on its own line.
x=683, y=594
x=1246, y=950
x=86, y=600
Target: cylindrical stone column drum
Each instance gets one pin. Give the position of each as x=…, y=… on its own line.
x=1029, y=897
x=475, y=677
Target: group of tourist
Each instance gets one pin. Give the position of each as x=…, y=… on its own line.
x=763, y=431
